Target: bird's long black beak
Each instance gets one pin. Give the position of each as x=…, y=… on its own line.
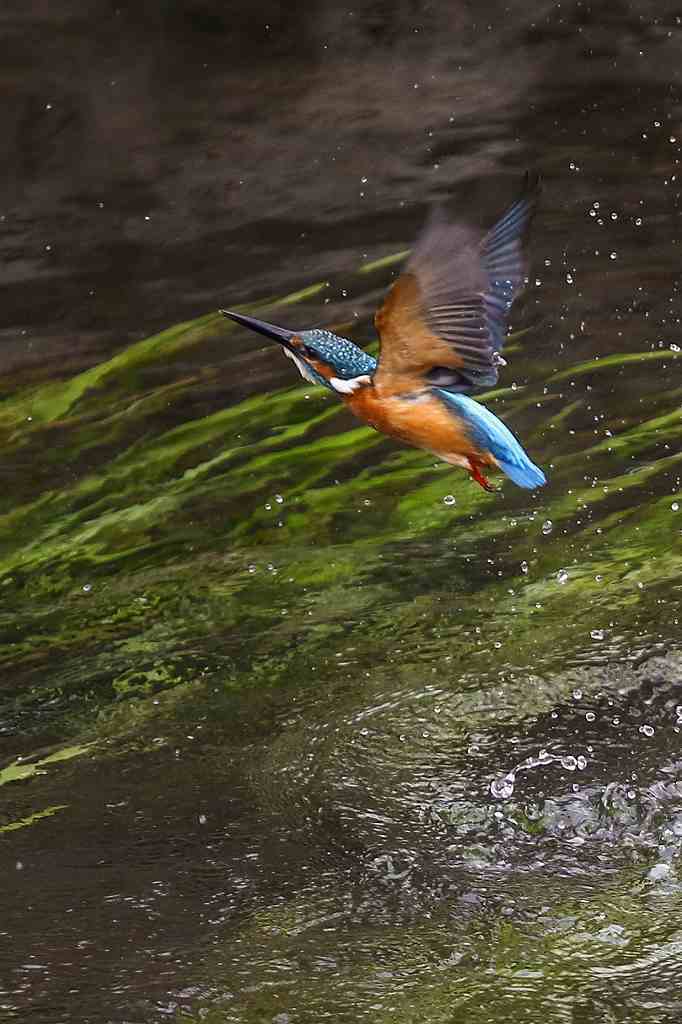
x=280, y=334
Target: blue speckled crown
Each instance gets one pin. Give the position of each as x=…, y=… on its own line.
x=346, y=358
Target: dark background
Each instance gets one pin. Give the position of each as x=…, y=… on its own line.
x=161, y=159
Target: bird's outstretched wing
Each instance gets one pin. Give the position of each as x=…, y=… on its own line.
x=444, y=319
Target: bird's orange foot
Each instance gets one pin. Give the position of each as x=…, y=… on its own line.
x=479, y=478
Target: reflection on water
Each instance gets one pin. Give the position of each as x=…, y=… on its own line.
x=295, y=724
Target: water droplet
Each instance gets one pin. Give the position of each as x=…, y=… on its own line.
x=547, y=526
x=524, y=567
x=598, y=578
x=569, y=763
x=252, y=568
x=675, y=506
x=87, y=587
x=597, y=634
x=268, y=507
x=613, y=255
x=202, y=819
x=658, y=872
x=577, y=694
x=569, y=279
x=675, y=348
x=363, y=181
x=503, y=788
x=590, y=716
x=279, y=499
x=582, y=762
x=449, y=499
x=638, y=221
x=647, y=730
x=562, y=576
x=614, y=216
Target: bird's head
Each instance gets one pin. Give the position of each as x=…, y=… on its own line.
x=321, y=357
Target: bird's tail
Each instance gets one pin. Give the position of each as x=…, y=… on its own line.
x=491, y=435
x=524, y=473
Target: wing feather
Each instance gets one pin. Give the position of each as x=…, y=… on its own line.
x=449, y=308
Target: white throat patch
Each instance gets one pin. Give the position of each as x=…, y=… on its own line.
x=347, y=387
x=343, y=387
x=301, y=366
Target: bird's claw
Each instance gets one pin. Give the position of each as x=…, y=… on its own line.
x=480, y=479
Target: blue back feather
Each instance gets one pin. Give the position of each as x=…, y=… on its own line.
x=491, y=434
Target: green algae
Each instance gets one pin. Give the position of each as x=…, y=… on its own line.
x=222, y=570
x=46, y=812
x=21, y=769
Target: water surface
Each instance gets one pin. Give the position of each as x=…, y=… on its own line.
x=287, y=733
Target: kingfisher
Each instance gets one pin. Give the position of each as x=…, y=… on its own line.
x=441, y=328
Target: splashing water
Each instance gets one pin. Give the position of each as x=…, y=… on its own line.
x=502, y=788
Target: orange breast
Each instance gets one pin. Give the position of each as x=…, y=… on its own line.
x=423, y=423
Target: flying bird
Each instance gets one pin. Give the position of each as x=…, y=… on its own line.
x=441, y=328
